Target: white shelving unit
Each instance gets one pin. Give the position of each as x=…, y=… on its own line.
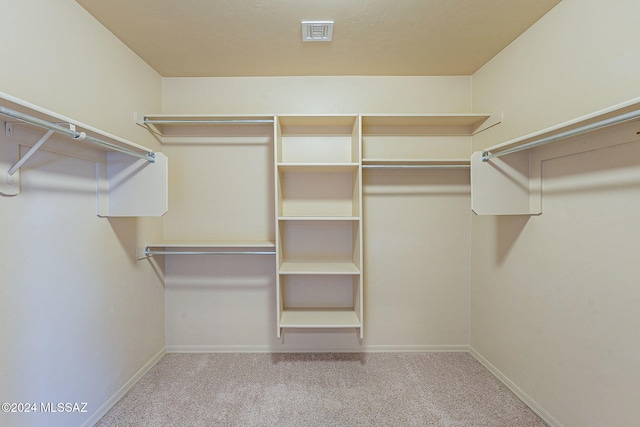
x=132, y=180
x=420, y=141
x=509, y=181
x=319, y=225
x=201, y=143
x=166, y=125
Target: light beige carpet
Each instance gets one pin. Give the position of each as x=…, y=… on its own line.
x=320, y=389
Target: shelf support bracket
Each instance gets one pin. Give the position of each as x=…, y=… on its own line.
x=30, y=153
x=141, y=253
x=10, y=185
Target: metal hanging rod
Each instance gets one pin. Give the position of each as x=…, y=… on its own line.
x=205, y=121
x=416, y=166
x=487, y=155
x=25, y=118
x=149, y=252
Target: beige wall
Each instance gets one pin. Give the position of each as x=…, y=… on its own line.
x=316, y=95
x=554, y=297
x=416, y=295
x=79, y=316
x=580, y=58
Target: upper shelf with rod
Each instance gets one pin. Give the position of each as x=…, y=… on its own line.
x=421, y=141
x=506, y=179
x=178, y=124
x=123, y=173
x=20, y=111
x=601, y=119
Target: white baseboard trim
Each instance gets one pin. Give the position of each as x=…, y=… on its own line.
x=124, y=389
x=535, y=407
x=319, y=349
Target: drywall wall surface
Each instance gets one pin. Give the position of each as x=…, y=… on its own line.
x=80, y=317
x=416, y=224
x=416, y=276
x=316, y=95
x=416, y=257
x=57, y=56
x=554, y=297
x=581, y=57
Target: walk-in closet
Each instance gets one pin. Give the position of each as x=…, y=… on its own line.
x=407, y=213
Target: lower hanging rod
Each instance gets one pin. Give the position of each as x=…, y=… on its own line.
x=148, y=252
x=25, y=118
x=487, y=155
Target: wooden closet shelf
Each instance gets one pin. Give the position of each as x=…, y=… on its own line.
x=426, y=124
x=453, y=162
x=317, y=167
x=267, y=244
x=290, y=267
x=318, y=218
x=320, y=318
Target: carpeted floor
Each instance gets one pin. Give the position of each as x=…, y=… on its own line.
x=320, y=389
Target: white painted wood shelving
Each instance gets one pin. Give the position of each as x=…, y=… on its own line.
x=132, y=179
x=506, y=179
x=319, y=225
x=210, y=130
x=420, y=141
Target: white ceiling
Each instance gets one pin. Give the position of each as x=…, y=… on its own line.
x=198, y=38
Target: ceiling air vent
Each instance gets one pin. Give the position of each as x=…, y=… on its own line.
x=317, y=31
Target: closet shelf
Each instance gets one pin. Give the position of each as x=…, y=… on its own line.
x=319, y=318
x=76, y=130
x=318, y=218
x=159, y=123
x=213, y=244
x=512, y=185
x=416, y=163
x=317, y=167
x=617, y=114
x=326, y=268
x=421, y=141
x=453, y=162
x=326, y=121
x=426, y=124
x=131, y=178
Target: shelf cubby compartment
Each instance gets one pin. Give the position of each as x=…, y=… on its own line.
x=320, y=318
x=319, y=191
x=319, y=278
x=318, y=139
x=419, y=139
x=331, y=246
x=320, y=301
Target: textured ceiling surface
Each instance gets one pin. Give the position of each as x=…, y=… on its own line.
x=189, y=38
